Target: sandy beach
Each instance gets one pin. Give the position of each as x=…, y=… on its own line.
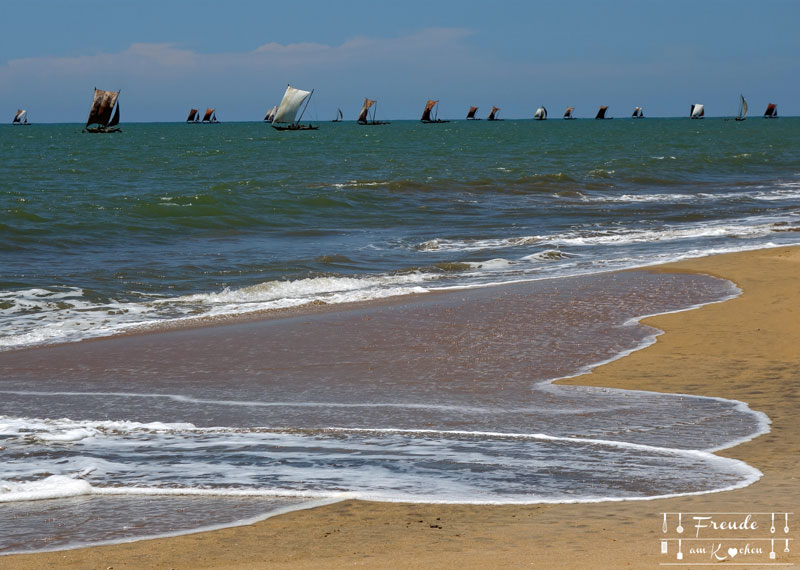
x=746, y=349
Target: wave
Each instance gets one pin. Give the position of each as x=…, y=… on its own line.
x=384, y=464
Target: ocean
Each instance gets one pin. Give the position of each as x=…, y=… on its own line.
x=173, y=224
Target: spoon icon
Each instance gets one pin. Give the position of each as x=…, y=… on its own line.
x=772, y=528
x=679, y=528
x=786, y=524
x=664, y=526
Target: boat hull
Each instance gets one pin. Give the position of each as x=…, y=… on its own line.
x=295, y=127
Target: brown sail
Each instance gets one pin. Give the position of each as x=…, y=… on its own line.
x=210, y=116
x=426, y=114
x=192, y=116
x=362, y=116
x=492, y=115
x=771, y=112
x=568, y=113
x=471, y=112
x=104, y=104
x=601, y=113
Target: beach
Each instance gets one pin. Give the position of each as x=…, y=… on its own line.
x=743, y=349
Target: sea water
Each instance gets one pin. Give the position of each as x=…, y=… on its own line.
x=105, y=234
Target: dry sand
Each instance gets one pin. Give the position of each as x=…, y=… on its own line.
x=747, y=348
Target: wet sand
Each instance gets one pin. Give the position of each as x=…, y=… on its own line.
x=747, y=349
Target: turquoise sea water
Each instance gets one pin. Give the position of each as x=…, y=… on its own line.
x=166, y=221
x=104, y=233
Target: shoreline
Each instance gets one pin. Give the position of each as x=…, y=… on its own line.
x=416, y=535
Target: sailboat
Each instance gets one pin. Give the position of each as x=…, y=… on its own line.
x=210, y=118
x=284, y=119
x=101, y=119
x=697, y=111
x=339, y=116
x=568, y=113
x=742, y=108
x=540, y=114
x=493, y=114
x=771, y=112
x=431, y=108
x=271, y=114
x=364, y=116
x=471, y=114
x=601, y=113
x=194, y=116
x=21, y=118
x=638, y=113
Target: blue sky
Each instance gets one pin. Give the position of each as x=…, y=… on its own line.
x=167, y=56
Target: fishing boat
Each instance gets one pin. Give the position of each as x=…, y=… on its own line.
x=284, y=119
x=21, y=118
x=471, y=114
x=339, y=116
x=493, y=115
x=568, y=113
x=210, y=118
x=429, y=115
x=194, y=116
x=638, y=113
x=271, y=114
x=601, y=113
x=540, y=114
x=742, y=108
x=697, y=111
x=104, y=113
x=364, y=117
x=771, y=112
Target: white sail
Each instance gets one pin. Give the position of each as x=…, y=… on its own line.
x=541, y=113
x=20, y=116
x=290, y=104
x=743, y=109
x=698, y=110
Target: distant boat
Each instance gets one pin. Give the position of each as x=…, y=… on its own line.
x=429, y=115
x=540, y=114
x=210, y=118
x=771, y=112
x=339, y=116
x=101, y=119
x=471, y=114
x=284, y=119
x=638, y=113
x=194, y=116
x=742, y=108
x=697, y=111
x=21, y=118
x=364, y=116
x=271, y=114
x=568, y=113
x=601, y=113
x=493, y=114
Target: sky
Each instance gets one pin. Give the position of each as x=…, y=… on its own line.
x=238, y=56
